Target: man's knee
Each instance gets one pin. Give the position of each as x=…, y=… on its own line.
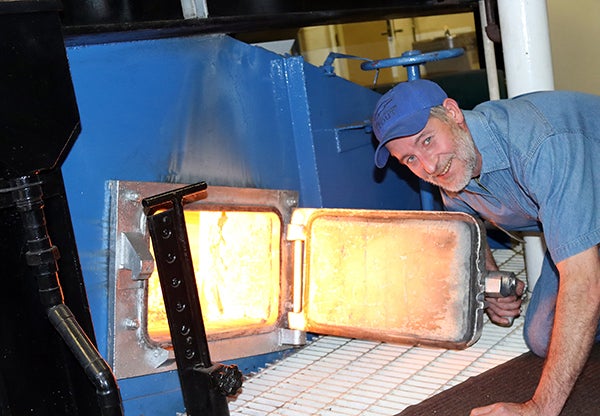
x=540, y=310
x=537, y=339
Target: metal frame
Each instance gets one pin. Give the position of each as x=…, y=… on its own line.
x=131, y=350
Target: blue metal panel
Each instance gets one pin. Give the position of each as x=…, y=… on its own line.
x=344, y=152
x=215, y=109
x=157, y=394
x=334, y=144
x=175, y=110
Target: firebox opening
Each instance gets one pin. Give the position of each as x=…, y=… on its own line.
x=237, y=262
x=241, y=261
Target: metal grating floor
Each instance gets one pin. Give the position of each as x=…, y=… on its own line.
x=341, y=376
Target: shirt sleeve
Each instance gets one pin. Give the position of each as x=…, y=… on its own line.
x=562, y=176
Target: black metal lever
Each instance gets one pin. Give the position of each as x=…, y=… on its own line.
x=204, y=385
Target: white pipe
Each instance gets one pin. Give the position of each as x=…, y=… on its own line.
x=526, y=46
x=528, y=65
x=535, y=247
x=489, y=56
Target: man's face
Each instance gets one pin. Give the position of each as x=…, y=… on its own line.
x=443, y=153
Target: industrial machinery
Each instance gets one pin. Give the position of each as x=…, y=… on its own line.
x=160, y=94
x=46, y=323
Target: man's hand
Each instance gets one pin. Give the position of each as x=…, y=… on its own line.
x=501, y=309
x=508, y=409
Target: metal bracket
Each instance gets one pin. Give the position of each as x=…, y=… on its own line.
x=135, y=255
x=297, y=234
x=291, y=337
x=353, y=136
x=194, y=9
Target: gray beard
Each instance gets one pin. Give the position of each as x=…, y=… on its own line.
x=465, y=152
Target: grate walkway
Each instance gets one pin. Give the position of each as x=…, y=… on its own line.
x=343, y=377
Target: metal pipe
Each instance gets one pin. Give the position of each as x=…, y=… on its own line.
x=94, y=366
x=41, y=257
x=491, y=67
x=526, y=46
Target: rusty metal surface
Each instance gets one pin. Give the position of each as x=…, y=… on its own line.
x=398, y=276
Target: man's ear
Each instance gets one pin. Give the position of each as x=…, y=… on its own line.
x=453, y=110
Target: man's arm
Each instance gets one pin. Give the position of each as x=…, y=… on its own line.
x=575, y=323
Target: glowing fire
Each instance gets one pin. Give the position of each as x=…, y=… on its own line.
x=236, y=256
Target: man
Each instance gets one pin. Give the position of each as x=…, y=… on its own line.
x=531, y=162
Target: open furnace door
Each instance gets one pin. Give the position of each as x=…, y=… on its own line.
x=408, y=277
x=396, y=276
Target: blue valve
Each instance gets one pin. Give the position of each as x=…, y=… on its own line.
x=411, y=61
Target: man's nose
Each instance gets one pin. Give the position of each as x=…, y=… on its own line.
x=428, y=163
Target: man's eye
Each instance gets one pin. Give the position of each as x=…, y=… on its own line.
x=409, y=159
x=427, y=141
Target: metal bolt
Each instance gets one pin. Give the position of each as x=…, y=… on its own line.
x=131, y=324
x=131, y=195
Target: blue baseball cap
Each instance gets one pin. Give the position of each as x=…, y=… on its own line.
x=403, y=111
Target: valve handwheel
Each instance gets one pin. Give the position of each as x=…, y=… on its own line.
x=411, y=60
x=414, y=57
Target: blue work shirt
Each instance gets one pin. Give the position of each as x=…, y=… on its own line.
x=540, y=168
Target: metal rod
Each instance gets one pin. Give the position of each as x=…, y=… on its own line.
x=491, y=67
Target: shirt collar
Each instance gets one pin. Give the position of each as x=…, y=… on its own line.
x=493, y=155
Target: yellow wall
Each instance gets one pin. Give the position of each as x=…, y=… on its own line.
x=431, y=27
x=574, y=35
